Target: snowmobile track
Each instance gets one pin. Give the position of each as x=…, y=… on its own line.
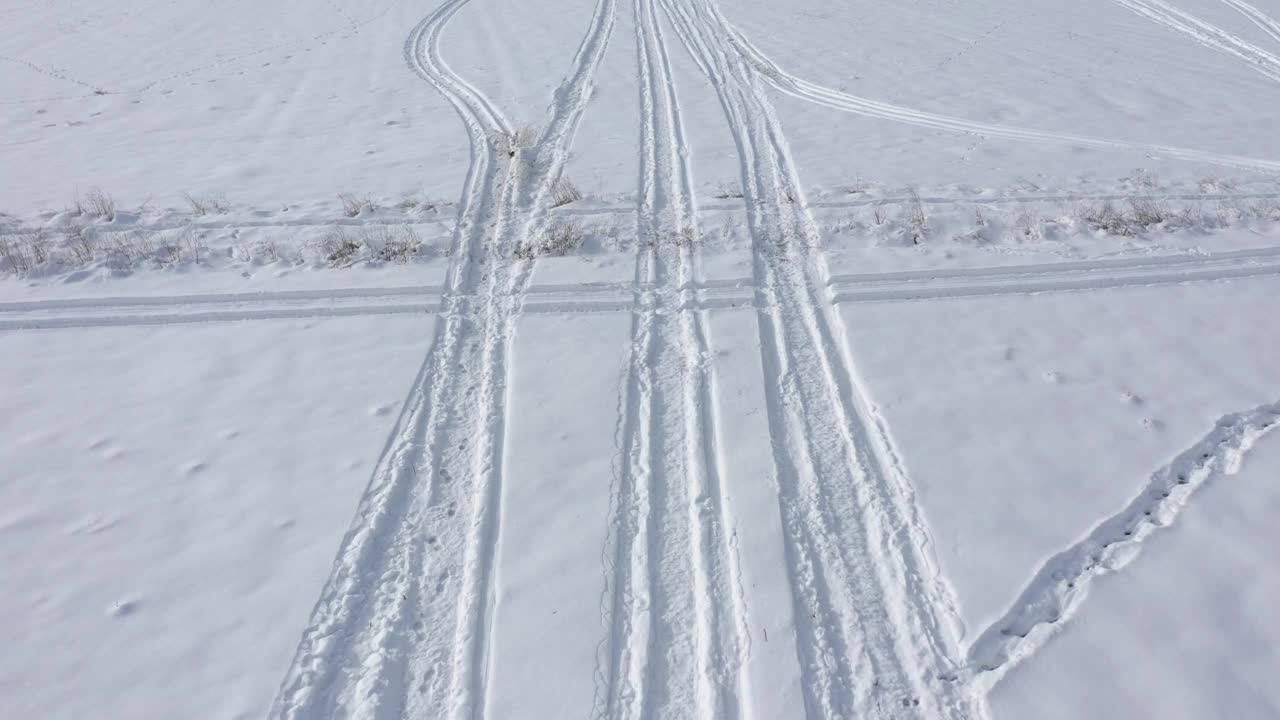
x=1263, y=21
x=401, y=627
x=672, y=603
x=355, y=656
x=845, y=102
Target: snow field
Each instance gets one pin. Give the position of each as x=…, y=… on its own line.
x=173, y=495
x=863, y=376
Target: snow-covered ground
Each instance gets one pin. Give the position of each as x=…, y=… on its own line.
x=639, y=359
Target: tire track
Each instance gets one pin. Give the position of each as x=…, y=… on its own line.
x=623, y=656
x=531, y=196
x=673, y=600
x=60, y=323
x=607, y=209
x=845, y=102
x=868, y=606
x=424, y=292
x=714, y=298
x=1058, y=590
x=1209, y=35
x=353, y=658
x=1037, y=270
x=445, y=673
x=401, y=627
x=695, y=295
x=1059, y=277
x=1264, y=21
x=1045, y=198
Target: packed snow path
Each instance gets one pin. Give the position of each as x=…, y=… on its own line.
x=403, y=626
x=423, y=540
x=674, y=600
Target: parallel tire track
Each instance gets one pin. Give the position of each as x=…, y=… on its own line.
x=845, y=102
x=525, y=198
x=401, y=626
x=623, y=656
x=1209, y=35
x=1054, y=277
x=354, y=655
x=673, y=601
x=867, y=603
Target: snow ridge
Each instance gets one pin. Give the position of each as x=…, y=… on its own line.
x=695, y=293
x=1058, y=277
x=353, y=656
x=401, y=627
x=1060, y=587
x=1210, y=35
x=845, y=102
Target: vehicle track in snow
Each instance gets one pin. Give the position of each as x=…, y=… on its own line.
x=1209, y=35
x=401, y=628
x=696, y=294
x=354, y=657
x=873, y=616
x=673, y=602
x=1054, y=277
x=402, y=625
x=845, y=102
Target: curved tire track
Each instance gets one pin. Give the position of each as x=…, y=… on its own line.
x=871, y=609
x=354, y=655
x=401, y=627
x=845, y=102
x=1265, y=22
x=1209, y=35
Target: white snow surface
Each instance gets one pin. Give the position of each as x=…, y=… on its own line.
x=168, y=490
x=639, y=359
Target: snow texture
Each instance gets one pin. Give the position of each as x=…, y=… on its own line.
x=635, y=359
